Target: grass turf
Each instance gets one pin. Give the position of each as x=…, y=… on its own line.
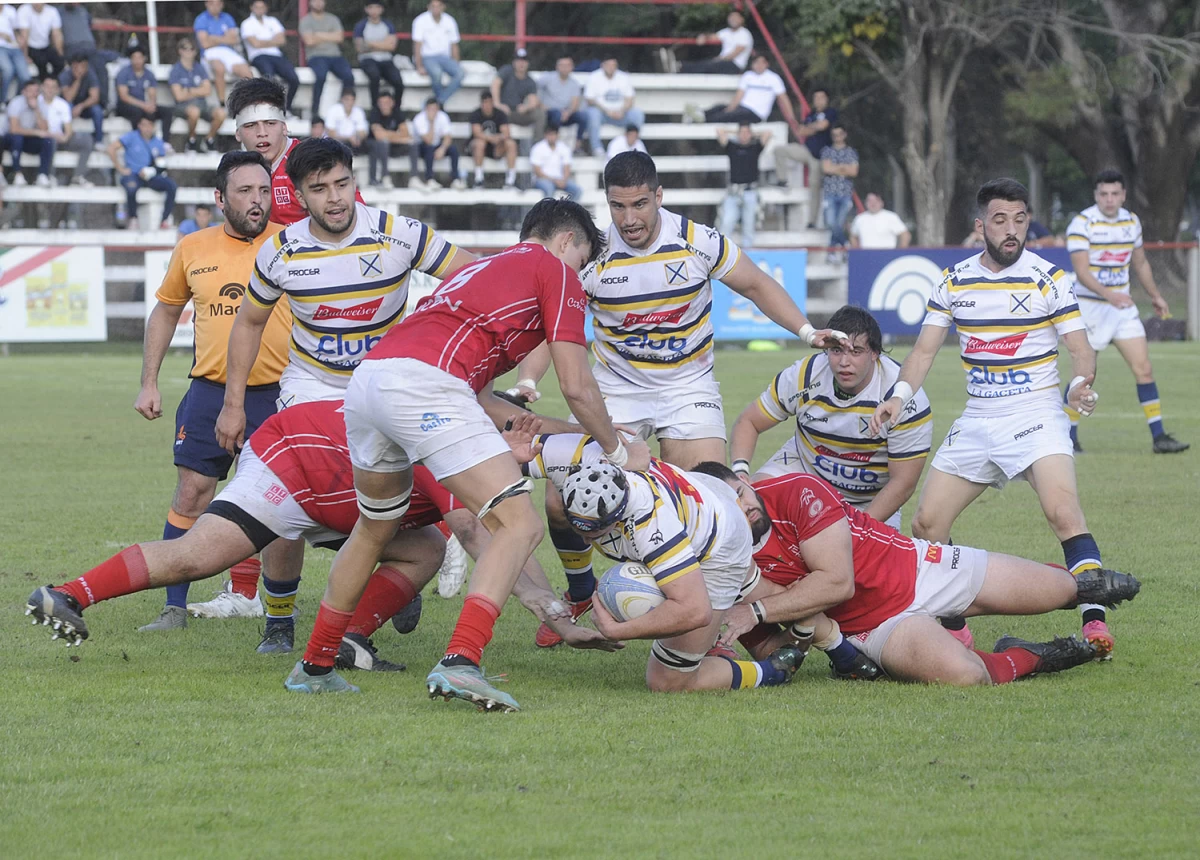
x=186, y=744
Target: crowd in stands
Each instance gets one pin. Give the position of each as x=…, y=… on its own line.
x=52, y=73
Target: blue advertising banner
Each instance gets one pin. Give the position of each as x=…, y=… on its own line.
x=894, y=285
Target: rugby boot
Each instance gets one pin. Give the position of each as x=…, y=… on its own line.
x=1165, y=443
x=864, y=669
x=277, y=639
x=1104, y=587
x=407, y=619
x=546, y=637
x=469, y=684
x=359, y=652
x=60, y=612
x=787, y=659
x=331, y=682
x=171, y=618
x=228, y=604
x=1097, y=633
x=1053, y=656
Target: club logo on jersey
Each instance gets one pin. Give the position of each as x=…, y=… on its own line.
x=656, y=317
x=283, y=195
x=1006, y=346
x=676, y=273
x=809, y=500
x=1018, y=303
x=933, y=555
x=369, y=265
x=275, y=495
x=864, y=425
x=951, y=436
x=365, y=311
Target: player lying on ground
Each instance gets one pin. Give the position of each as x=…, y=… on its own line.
x=887, y=591
x=273, y=495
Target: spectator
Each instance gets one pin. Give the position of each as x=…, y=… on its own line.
x=191, y=87
x=741, y=200
x=57, y=112
x=322, y=35
x=737, y=43
x=201, y=220
x=808, y=151
x=317, y=128
x=42, y=28
x=388, y=131
x=375, y=41
x=139, y=158
x=81, y=89
x=631, y=139
x=610, y=94
x=562, y=97
x=13, y=64
x=490, y=138
x=78, y=39
x=516, y=94
x=431, y=128
x=839, y=163
x=550, y=159
x=435, y=50
x=1040, y=236
x=219, y=36
x=347, y=122
x=759, y=90
x=137, y=93
x=28, y=131
x=975, y=238
x=878, y=227
x=264, y=38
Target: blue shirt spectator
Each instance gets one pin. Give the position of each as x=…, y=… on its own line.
x=185, y=77
x=141, y=153
x=214, y=26
x=137, y=83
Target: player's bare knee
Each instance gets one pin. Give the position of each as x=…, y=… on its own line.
x=193, y=492
x=925, y=525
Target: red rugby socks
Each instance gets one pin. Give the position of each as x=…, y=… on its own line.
x=326, y=636
x=1009, y=665
x=388, y=591
x=244, y=577
x=124, y=573
x=473, y=631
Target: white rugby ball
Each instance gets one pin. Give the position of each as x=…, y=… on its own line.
x=628, y=591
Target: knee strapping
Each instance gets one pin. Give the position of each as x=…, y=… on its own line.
x=525, y=485
x=383, y=509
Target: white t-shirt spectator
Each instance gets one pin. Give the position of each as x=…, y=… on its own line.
x=731, y=39
x=57, y=114
x=759, y=91
x=441, y=125
x=881, y=229
x=550, y=161
x=435, y=37
x=609, y=93
x=619, y=144
x=8, y=27
x=39, y=24
x=267, y=28
x=18, y=110
x=340, y=125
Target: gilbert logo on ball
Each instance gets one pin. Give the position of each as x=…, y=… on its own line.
x=628, y=591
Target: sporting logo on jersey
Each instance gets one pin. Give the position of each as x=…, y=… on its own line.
x=369, y=265
x=365, y=311
x=656, y=317
x=676, y=272
x=1006, y=346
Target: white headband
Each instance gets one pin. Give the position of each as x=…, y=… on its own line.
x=258, y=113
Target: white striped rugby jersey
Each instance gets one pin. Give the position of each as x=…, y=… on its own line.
x=1008, y=323
x=1110, y=244
x=651, y=308
x=832, y=435
x=345, y=297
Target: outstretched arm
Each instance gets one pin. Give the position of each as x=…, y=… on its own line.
x=750, y=281
x=912, y=375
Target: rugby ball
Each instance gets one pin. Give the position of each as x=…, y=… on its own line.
x=628, y=591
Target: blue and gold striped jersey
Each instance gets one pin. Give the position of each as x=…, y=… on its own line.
x=651, y=308
x=1008, y=324
x=832, y=435
x=1110, y=243
x=345, y=297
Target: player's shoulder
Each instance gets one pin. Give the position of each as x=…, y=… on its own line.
x=1039, y=268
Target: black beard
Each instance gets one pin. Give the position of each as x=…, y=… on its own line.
x=324, y=225
x=999, y=256
x=243, y=225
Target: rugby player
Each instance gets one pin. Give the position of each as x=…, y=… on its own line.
x=832, y=396
x=886, y=591
x=423, y=394
x=1010, y=307
x=1105, y=240
x=294, y=482
x=210, y=268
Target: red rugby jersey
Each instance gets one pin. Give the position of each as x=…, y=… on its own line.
x=285, y=208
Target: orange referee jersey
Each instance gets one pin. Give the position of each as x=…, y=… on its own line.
x=211, y=268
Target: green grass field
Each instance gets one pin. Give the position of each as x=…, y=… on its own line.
x=187, y=744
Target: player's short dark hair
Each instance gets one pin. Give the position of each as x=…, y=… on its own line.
x=1001, y=189
x=231, y=161
x=716, y=470
x=317, y=155
x=1110, y=175
x=77, y=57
x=432, y=100
x=45, y=78
x=255, y=91
x=631, y=169
x=549, y=217
x=854, y=321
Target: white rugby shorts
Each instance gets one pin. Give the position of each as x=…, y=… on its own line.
x=297, y=385
x=401, y=411
x=691, y=411
x=224, y=55
x=1106, y=323
x=995, y=449
x=949, y=579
